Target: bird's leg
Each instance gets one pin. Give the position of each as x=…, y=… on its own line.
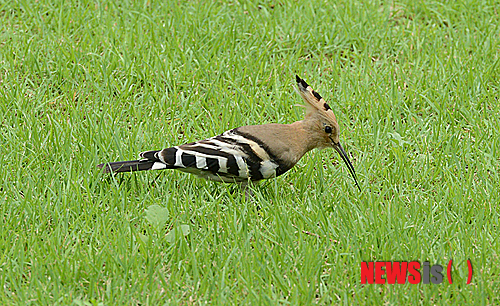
x=248, y=191
x=249, y=195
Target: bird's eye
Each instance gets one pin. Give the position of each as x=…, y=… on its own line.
x=328, y=129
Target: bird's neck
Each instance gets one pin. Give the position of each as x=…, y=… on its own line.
x=308, y=134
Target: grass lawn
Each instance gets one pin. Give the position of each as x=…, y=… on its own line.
x=415, y=88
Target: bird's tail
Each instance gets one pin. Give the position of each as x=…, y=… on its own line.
x=147, y=163
x=127, y=166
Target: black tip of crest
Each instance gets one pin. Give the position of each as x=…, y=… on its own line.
x=302, y=84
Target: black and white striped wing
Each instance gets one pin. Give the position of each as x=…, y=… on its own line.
x=229, y=157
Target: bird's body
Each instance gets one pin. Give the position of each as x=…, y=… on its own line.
x=249, y=153
x=230, y=157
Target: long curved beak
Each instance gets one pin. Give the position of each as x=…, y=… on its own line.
x=344, y=156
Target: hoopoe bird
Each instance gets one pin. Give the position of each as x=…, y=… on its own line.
x=250, y=153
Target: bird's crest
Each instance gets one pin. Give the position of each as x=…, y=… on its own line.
x=315, y=103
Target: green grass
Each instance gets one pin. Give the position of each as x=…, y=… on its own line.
x=414, y=85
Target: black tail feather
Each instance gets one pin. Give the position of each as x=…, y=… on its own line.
x=127, y=166
x=151, y=155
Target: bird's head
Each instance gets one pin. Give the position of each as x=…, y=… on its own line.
x=324, y=122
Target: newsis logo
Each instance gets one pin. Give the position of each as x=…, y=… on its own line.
x=403, y=271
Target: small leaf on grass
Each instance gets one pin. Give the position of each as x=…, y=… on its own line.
x=397, y=139
x=143, y=238
x=157, y=215
x=179, y=231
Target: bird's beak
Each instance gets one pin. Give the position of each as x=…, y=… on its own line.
x=344, y=156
